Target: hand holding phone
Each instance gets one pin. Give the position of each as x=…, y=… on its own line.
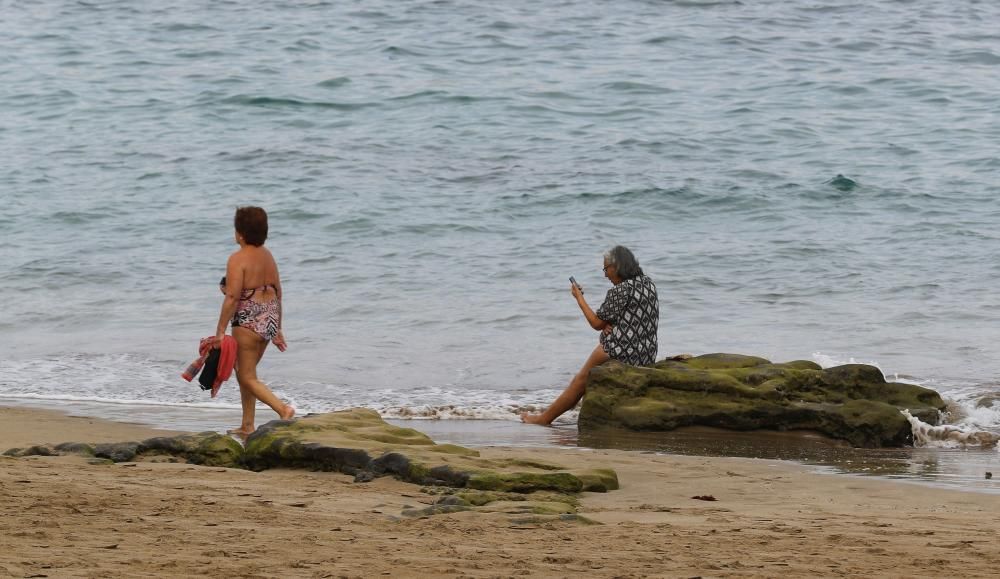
x=572, y=280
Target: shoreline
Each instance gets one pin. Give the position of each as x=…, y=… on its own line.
x=66, y=516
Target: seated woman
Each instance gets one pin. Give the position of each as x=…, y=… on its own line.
x=253, y=303
x=628, y=321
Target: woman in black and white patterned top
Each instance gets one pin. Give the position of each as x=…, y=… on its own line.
x=628, y=321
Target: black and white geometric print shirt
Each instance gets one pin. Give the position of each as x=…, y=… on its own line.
x=633, y=310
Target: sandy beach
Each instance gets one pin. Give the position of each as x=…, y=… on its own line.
x=65, y=517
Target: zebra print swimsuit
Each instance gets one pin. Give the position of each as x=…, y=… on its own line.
x=261, y=317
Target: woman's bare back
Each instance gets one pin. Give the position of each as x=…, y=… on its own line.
x=257, y=270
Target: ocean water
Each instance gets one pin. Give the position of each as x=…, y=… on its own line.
x=802, y=178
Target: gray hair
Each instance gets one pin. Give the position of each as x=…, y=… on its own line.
x=625, y=263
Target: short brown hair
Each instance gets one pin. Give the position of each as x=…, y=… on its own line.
x=251, y=223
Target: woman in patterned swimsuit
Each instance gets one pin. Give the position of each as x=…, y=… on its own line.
x=627, y=320
x=253, y=303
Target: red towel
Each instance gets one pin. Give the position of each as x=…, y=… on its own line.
x=195, y=367
x=227, y=360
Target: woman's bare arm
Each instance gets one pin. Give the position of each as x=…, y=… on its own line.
x=278, y=293
x=279, y=338
x=592, y=319
x=234, y=288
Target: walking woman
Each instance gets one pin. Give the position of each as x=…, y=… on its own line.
x=253, y=303
x=628, y=321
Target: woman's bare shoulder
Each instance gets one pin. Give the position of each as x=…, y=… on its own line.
x=238, y=257
x=253, y=256
x=263, y=256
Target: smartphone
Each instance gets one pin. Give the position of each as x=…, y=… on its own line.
x=572, y=280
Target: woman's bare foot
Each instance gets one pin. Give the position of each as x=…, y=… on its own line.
x=533, y=419
x=287, y=413
x=240, y=433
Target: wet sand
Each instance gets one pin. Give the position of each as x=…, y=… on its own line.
x=65, y=517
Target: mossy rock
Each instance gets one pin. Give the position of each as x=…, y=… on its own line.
x=724, y=361
x=360, y=443
x=852, y=402
x=521, y=482
x=205, y=448
x=599, y=480
x=75, y=448
x=35, y=450
x=117, y=451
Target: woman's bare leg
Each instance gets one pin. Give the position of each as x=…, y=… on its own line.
x=249, y=404
x=248, y=401
x=251, y=348
x=572, y=394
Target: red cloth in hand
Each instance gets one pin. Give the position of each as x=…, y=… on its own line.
x=227, y=360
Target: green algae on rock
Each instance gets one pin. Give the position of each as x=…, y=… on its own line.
x=360, y=443
x=356, y=442
x=205, y=448
x=851, y=402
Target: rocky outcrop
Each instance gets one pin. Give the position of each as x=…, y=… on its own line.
x=206, y=448
x=851, y=402
x=359, y=443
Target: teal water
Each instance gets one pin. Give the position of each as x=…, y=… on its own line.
x=434, y=171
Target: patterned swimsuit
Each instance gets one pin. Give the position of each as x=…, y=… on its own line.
x=260, y=317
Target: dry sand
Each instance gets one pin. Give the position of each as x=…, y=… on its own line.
x=63, y=517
